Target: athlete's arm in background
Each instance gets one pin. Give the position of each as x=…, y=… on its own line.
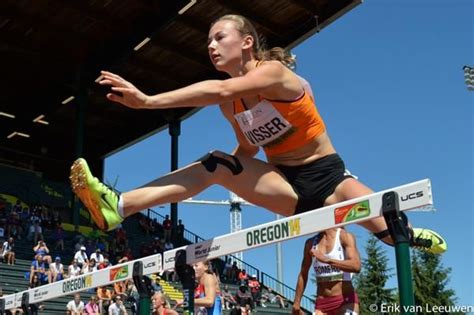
x=209, y=299
x=352, y=261
x=302, y=277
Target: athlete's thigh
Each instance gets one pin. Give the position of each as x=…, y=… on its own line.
x=261, y=184
x=348, y=309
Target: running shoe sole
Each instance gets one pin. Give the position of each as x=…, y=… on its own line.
x=80, y=187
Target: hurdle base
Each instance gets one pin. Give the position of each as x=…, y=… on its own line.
x=144, y=288
x=187, y=277
x=399, y=232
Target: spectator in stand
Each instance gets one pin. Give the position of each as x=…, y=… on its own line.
x=160, y=305
x=121, y=237
x=117, y=308
x=126, y=256
x=17, y=206
x=56, y=270
x=35, y=215
x=113, y=250
x=168, y=245
x=180, y=233
x=155, y=282
x=38, y=268
x=14, y=225
x=92, y=308
x=167, y=227
x=243, y=277
x=46, y=218
x=7, y=253
x=146, y=249
x=81, y=257
x=234, y=273
x=102, y=245
x=35, y=232
x=133, y=297
x=24, y=218
x=76, y=306
x=97, y=256
x=56, y=218
x=268, y=295
x=90, y=247
x=58, y=236
x=226, y=272
x=157, y=247
x=120, y=289
x=79, y=244
x=144, y=225
x=244, y=297
x=104, y=264
x=255, y=289
x=73, y=269
x=105, y=297
x=42, y=250
x=228, y=299
x=157, y=227
x=90, y=267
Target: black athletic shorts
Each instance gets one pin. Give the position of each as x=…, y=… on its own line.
x=316, y=181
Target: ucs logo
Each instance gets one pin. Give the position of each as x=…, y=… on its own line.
x=149, y=265
x=411, y=196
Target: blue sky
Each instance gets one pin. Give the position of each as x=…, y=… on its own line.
x=388, y=81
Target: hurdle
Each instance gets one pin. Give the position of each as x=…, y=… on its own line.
x=387, y=203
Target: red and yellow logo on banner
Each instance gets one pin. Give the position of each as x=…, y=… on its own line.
x=352, y=212
x=118, y=273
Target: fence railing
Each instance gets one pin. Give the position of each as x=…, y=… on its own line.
x=289, y=293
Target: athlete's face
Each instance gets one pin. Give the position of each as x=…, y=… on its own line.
x=225, y=45
x=199, y=269
x=157, y=300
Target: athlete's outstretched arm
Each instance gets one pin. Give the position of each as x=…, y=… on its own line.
x=302, y=277
x=256, y=81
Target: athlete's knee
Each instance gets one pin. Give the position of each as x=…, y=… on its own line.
x=385, y=235
x=211, y=160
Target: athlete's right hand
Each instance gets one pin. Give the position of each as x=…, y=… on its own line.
x=126, y=93
x=296, y=310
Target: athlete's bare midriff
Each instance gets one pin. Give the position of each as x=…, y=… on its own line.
x=312, y=151
x=335, y=288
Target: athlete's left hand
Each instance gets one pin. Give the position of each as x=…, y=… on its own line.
x=129, y=96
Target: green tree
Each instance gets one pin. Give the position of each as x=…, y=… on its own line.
x=371, y=281
x=431, y=281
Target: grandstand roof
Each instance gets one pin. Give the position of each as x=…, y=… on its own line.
x=50, y=49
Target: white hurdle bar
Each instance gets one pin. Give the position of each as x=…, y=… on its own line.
x=411, y=196
x=414, y=195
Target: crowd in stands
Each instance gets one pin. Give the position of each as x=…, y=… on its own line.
x=94, y=251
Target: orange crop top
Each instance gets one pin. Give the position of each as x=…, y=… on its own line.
x=280, y=126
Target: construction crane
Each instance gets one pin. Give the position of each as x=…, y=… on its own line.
x=234, y=202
